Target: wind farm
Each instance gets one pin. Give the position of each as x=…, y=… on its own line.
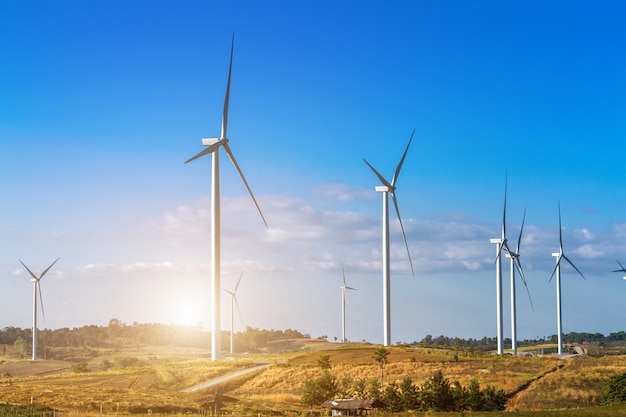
x=323, y=108
x=95, y=140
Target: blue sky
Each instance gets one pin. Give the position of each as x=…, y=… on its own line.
x=102, y=102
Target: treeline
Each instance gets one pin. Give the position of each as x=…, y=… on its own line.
x=118, y=334
x=572, y=337
x=435, y=394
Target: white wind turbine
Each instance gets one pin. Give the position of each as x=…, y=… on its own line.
x=37, y=289
x=501, y=244
x=385, y=189
x=344, y=289
x=557, y=269
x=213, y=145
x=233, y=301
x=516, y=264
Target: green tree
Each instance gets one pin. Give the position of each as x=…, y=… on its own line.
x=324, y=362
x=474, y=399
x=316, y=391
x=614, y=391
x=373, y=391
x=393, y=398
x=381, y=358
x=360, y=388
x=436, y=393
x=21, y=345
x=494, y=400
x=345, y=387
x=409, y=394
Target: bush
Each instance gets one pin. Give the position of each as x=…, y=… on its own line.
x=79, y=367
x=614, y=391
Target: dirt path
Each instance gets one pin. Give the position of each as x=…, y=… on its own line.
x=527, y=384
x=223, y=378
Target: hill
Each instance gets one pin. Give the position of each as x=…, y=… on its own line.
x=145, y=378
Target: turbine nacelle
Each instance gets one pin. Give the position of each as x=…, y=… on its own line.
x=212, y=141
x=384, y=189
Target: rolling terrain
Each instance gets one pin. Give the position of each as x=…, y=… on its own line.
x=158, y=378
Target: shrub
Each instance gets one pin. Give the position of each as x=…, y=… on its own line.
x=615, y=390
x=79, y=367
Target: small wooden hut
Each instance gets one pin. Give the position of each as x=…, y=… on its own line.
x=352, y=406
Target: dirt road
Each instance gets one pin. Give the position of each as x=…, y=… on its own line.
x=223, y=378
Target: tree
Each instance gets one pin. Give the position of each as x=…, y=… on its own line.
x=360, y=388
x=409, y=394
x=373, y=391
x=21, y=345
x=316, y=391
x=437, y=394
x=381, y=358
x=392, y=398
x=615, y=390
x=324, y=362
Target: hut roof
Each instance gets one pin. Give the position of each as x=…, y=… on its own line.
x=353, y=404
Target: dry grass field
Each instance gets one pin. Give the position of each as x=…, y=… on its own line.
x=157, y=379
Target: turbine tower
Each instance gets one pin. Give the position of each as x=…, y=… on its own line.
x=213, y=145
x=344, y=288
x=516, y=264
x=37, y=289
x=233, y=300
x=621, y=270
x=385, y=189
x=501, y=244
x=557, y=269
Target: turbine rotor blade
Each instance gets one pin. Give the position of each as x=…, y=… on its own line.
x=521, y=231
x=238, y=310
x=574, y=266
x=560, y=230
x=506, y=182
x=207, y=150
x=227, y=98
x=29, y=271
x=343, y=272
x=380, y=177
x=399, y=167
x=238, y=281
x=232, y=159
x=47, y=269
x=395, y=204
x=621, y=266
x=43, y=312
x=558, y=263
x=518, y=265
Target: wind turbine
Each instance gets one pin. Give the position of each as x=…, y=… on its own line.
x=233, y=300
x=213, y=145
x=344, y=288
x=37, y=289
x=621, y=270
x=557, y=269
x=516, y=264
x=501, y=244
x=385, y=189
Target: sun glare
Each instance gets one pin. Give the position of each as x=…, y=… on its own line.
x=189, y=314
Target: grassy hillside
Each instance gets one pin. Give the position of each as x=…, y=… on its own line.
x=157, y=378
